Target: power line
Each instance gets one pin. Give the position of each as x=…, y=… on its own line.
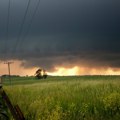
x=21, y=27
x=7, y=28
x=30, y=23
x=8, y=18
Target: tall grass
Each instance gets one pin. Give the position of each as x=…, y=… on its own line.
x=69, y=98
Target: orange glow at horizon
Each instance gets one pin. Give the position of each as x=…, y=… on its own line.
x=17, y=69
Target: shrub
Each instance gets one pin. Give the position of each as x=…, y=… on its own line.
x=112, y=103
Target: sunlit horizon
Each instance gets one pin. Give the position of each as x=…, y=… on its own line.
x=18, y=69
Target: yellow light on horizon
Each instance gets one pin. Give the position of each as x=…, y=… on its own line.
x=61, y=71
x=17, y=69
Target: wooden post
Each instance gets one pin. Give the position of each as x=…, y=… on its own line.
x=15, y=110
x=0, y=82
x=8, y=63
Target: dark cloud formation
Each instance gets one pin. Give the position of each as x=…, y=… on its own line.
x=62, y=33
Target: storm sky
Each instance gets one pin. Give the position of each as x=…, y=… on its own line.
x=61, y=33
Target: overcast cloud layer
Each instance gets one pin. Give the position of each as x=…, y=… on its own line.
x=63, y=33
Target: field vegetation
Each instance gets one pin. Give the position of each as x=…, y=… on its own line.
x=67, y=98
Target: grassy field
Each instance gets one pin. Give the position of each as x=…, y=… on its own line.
x=67, y=98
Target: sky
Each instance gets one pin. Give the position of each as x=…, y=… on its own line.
x=65, y=37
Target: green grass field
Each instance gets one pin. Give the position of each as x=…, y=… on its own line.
x=67, y=98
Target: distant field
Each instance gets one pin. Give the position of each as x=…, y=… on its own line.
x=67, y=98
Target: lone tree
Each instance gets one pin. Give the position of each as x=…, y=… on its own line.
x=41, y=73
x=38, y=73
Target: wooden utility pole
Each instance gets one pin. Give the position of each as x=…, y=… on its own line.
x=9, y=63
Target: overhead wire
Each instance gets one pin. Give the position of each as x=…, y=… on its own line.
x=7, y=30
x=30, y=23
x=21, y=27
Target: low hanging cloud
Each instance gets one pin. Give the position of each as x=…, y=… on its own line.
x=63, y=33
x=85, y=59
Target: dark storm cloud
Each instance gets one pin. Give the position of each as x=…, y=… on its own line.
x=63, y=32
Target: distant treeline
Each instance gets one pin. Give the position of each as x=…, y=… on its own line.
x=11, y=76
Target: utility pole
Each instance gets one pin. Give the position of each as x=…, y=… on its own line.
x=9, y=63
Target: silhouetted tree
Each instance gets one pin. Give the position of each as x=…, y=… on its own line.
x=38, y=73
